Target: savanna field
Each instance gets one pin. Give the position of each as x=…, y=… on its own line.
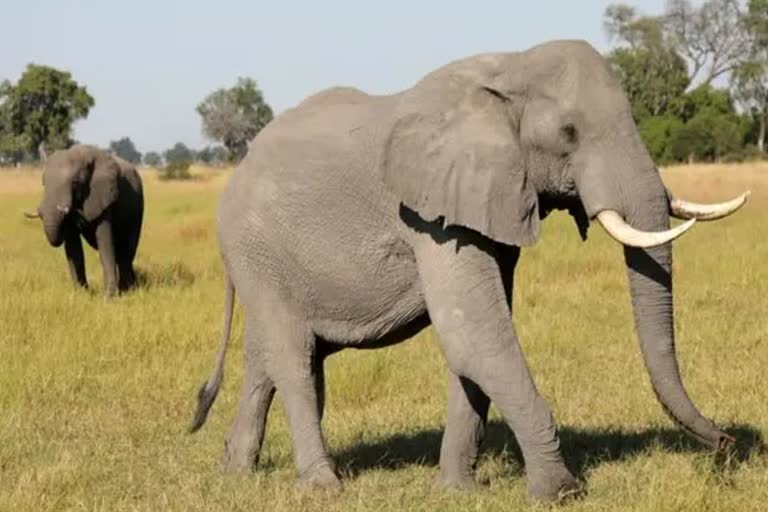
x=95, y=397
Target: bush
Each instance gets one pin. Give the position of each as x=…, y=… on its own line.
x=176, y=170
x=749, y=153
x=708, y=136
x=656, y=132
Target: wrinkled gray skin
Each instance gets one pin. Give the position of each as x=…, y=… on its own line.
x=91, y=193
x=356, y=220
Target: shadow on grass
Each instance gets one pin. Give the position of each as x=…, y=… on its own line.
x=175, y=274
x=583, y=449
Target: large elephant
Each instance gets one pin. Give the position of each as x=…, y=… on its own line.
x=357, y=220
x=89, y=192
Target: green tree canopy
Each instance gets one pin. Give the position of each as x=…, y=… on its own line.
x=40, y=110
x=234, y=116
x=125, y=149
x=153, y=159
x=178, y=153
x=653, y=74
x=653, y=78
x=749, y=79
x=213, y=155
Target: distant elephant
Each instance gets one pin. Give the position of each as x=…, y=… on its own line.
x=89, y=192
x=357, y=220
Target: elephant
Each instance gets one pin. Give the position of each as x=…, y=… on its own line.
x=90, y=192
x=357, y=220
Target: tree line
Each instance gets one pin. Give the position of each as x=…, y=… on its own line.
x=38, y=112
x=696, y=78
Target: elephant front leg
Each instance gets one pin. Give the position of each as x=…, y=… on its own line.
x=127, y=276
x=467, y=303
x=468, y=405
x=464, y=429
x=105, y=243
x=73, y=247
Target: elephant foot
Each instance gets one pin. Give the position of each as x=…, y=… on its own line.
x=237, y=460
x=456, y=481
x=319, y=476
x=553, y=483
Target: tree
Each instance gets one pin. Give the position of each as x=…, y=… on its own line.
x=234, y=116
x=39, y=111
x=666, y=65
x=125, y=149
x=178, y=153
x=653, y=75
x=178, y=159
x=657, y=132
x=621, y=22
x=219, y=155
x=654, y=79
x=213, y=155
x=153, y=159
x=749, y=79
x=712, y=38
x=711, y=130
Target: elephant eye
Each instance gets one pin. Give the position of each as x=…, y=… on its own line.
x=570, y=134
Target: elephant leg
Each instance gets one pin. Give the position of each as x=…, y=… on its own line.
x=246, y=435
x=105, y=242
x=468, y=405
x=464, y=429
x=73, y=247
x=127, y=277
x=319, y=372
x=125, y=251
x=466, y=300
x=290, y=346
x=129, y=254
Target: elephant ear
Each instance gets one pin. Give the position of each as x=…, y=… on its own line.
x=456, y=155
x=102, y=187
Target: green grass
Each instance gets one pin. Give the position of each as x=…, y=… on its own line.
x=95, y=397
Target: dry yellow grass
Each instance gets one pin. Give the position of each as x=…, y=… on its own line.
x=95, y=396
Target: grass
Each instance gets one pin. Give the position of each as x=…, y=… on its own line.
x=95, y=396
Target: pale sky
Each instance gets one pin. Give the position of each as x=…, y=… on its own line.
x=149, y=63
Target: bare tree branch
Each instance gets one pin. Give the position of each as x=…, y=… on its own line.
x=711, y=38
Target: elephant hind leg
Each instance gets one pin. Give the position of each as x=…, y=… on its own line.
x=246, y=435
x=125, y=248
x=290, y=345
x=464, y=429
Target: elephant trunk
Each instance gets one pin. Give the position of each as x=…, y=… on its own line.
x=53, y=221
x=650, y=280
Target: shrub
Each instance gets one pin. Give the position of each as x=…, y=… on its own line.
x=708, y=136
x=749, y=153
x=176, y=170
x=656, y=133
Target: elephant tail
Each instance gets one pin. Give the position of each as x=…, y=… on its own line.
x=209, y=389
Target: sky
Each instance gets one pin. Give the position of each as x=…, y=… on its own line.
x=149, y=63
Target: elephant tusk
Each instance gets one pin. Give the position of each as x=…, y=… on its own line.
x=30, y=215
x=627, y=235
x=685, y=210
x=63, y=209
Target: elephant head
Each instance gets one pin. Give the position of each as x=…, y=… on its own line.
x=79, y=183
x=496, y=141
